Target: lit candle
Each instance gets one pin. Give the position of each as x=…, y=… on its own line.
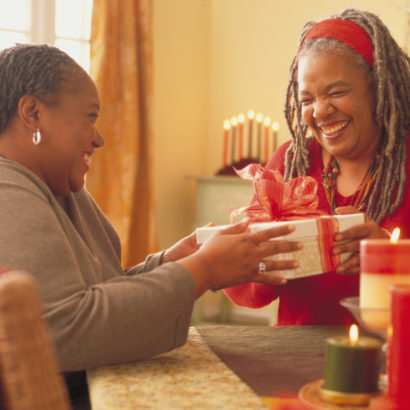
x=227, y=126
x=275, y=128
x=383, y=263
x=266, y=123
x=234, y=122
x=351, y=367
x=398, y=358
x=241, y=120
x=251, y=116
x=259, y=118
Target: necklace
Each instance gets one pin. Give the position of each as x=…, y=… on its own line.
x=360, y=197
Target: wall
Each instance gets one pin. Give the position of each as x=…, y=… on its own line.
x=215, y=59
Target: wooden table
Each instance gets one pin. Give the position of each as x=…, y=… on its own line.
x=220, y=367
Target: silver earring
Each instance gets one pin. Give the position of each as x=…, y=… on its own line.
x=36, y=137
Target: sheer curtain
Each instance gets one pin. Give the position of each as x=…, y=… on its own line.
x=120, y=178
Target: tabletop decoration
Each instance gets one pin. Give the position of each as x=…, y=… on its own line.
x=383, y=262
x=352, y=366
x=277, y=202
x=233, y=141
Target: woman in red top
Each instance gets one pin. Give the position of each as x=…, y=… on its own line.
x=347, y=107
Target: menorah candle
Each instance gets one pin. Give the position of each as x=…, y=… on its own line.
x=259, y=119
x=241, y=120
x=251, y=116
x=352, y=366
x=227, y=126
x=398, y=354
x=275, y=128
x=266, y=123
x=234, y=122
x=383, y=263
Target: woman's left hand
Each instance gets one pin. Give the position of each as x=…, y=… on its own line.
x=349, y=240
x=184, y=247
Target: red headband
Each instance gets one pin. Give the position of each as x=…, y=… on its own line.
x=346, y=32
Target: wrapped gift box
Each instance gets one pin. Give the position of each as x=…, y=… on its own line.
x=316, y=253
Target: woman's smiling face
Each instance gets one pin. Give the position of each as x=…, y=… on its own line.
x=69, y=135
x=338, y=104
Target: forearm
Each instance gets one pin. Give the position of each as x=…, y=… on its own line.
x=125, y=319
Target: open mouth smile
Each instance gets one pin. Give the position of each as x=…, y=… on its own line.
x=332, y=129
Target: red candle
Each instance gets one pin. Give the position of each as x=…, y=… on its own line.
x=241, y=120
x=251, y=116
x=259, y=118
x=398, y=355
x=234, y=122
x=227, y=126
x=266, y=123
x=275, y=128
x=383, y=263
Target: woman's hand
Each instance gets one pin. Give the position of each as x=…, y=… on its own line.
x=184, y=247
x=232, y=257
x=349, y=240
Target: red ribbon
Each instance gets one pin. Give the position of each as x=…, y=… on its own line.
x=274, y=199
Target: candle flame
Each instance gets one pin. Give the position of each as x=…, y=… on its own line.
x=395, y=235
x=259, y=117
x=275, y=126
x=234, y=121
x=353, y=335
x=267, y=121
x=251, y=114
x=227, y=125
x=241, y=118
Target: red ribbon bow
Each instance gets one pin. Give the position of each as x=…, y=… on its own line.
x=275, y=199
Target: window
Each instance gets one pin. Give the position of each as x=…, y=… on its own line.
x=63, y=23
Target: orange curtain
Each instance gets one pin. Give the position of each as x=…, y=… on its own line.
x=120, y=178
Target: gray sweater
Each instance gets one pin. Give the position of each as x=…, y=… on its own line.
x=97, y=312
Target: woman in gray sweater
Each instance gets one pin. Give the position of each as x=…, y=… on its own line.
x=98, y=313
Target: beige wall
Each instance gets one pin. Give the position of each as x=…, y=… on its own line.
x=214, y=59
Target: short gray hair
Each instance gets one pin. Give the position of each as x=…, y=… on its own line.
x=27, y=69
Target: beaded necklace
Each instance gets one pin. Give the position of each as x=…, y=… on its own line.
x=360, y=197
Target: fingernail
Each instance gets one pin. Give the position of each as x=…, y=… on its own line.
x=299, y=245
x=338, y=237
x=336, y=250
x=283, y=281
x=340, y=269
x=295, y=264
x=291, y=227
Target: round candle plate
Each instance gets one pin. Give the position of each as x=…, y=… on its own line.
x=312, y=397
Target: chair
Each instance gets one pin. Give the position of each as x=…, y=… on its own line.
x=29, y=374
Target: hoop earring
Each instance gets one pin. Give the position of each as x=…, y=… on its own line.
x=36, y=137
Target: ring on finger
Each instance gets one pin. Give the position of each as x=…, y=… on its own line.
x=262, y=266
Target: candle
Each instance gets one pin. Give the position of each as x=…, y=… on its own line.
x=234, y=122
x=227, y=126
x=266, y=123
x=398, y=354
x=241, y=120
x=351, y=368
x=383, y=263
x=259, y=118
x=251, y=116
x=275, y=128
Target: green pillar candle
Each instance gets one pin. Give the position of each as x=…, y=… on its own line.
x=352, y=367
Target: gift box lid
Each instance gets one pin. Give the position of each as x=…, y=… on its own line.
x=303, y=227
